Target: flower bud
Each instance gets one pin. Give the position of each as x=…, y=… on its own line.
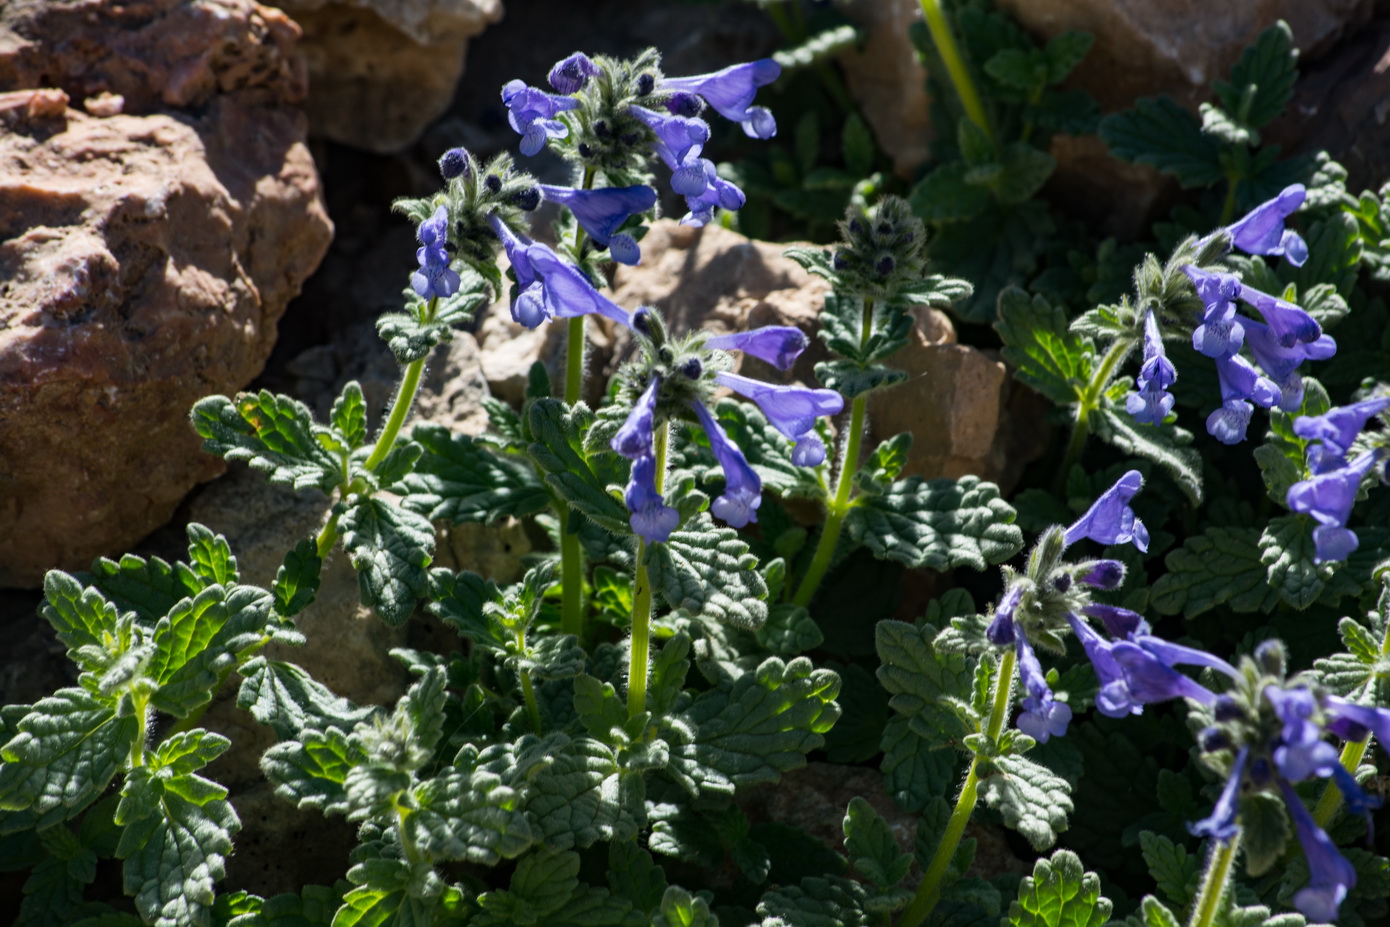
x=454, y=163
x=646, y=84
x=493, y=183
x=527, y=198
x=692, y=368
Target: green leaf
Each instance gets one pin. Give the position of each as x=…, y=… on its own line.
x=872, y=849
x=210, y=557
x=581, y=796
x=679, y=908
x=885, y=463
x=1221, y=566
x=391, y=549
x=542, y=884
x=1064, y=52
x=1019, y=69
x=287, y=699
x=147, y=587
x=82, y=617
x=468, y=816
x=274, y=434
x=1174, y=870
x=944, y=195
x=410, y=337
x=68, y=748
x=1032, y=800
x=349, y=415
x=851, y=379
x=1025, y=170
x=707, y=570
x=1261, y=83
x=297, y=581
x=761, y=727
x=1040, y=347
x=54, y=887
x=816, y=902
x=922, y=681
x=937, y=524
x=1264, y=827
x=1161, y=133
x=1346, y=674
x=178, y=831
x=558, y=452
x=1165, y=445
x=857, y=146
x=1287, y=549
x=460, y=479
x=311, y=772
x=864, y=715
x=915, y=768
x=1059, y=893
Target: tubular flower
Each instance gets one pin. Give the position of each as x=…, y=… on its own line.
x=434, y=278
x=1043, y=717
x=600, y=212
x=778, y=345
x=717, y=192
x=1221, y=823
x=1113, y=700
x=532, y=114
x=1002, y=630
x=730, y=92
x=1151, y=402
x=1110, y=520
x=792, y=410
x=738, y=504
x=1328, y=497
x=1287, y=323
x=1281, y=363
x=1221, y=331
x=1330, y=875
x=635, y=438
x=1336, y=429
x=679, y=141
x=650, y=516
x=1239, y=382
x=550, y=287
x=1262, y=230
x=569, y=75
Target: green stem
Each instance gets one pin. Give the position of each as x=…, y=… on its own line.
x=1228, y=208
x=1214, y=883
x=405, y=399
x=528, y=691
x=327, y=537
x=142, y=732
x=642, y=604
x=840, y=504
x=1090, y=401
x=412, y=853
x=929, y=891
x=955, y=65
x=574, y=360
x=779, y=17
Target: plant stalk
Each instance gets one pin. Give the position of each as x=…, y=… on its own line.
x=1214, y=883
x=405, y=399
x=528, y=692
x=1090, y=401
x=640, y=653
x=929, y=891
x=946, y=47
x=142, y=732
x=840, y=504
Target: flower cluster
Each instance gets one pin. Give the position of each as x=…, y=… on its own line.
x=1329, y=493
x=677, y=379
x=615, y=114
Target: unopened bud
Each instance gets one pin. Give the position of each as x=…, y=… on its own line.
x=454, y=163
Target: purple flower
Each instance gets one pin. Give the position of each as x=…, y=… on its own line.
x=635, y=438
x=1351, y=721
x=731, y=92
x=679, y=141
x=792, y=410
x=1328, y=497
x=1120, y=623
x=1330, y=875
x=456, y=162
x=717, y=192
x=1042, y=717
x=1222, y=331
x=1152, y=402
x=1150, y=678
x=1110, y=520
x=1288, y=323
x=1002, y=630
x=1337, y=429
x=1281, y=363
x=1221, y=823
x=1103, y=574
x=650, y=516
x=1262, y=230
x=1301, y=753
x=1113, y=700
x=434, y=278
x=779, y=345
x=602, y=211
x=738, y=504
x=569, y=75
x=1239, y=382
x=550, y=287
x=532, y=114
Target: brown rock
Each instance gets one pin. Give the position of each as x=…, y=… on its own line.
x=145, y=259
x=888, y=81
x=383, y=70
x=1177, y=47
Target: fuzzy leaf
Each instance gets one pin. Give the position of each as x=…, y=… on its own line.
x=851, y=379
x=1059, y=893
x=761, y=727
x=1165, y=445
x=558, y=452
x=470, y=817
x=410, y=337
x=944, y=195
x=297, y=581
x=1221, y=566
x=1264, y=826
x=210, y=557
x=68, y=747
x=542, y=885
x=311, y=771
x=460, y=479
x=349, y=416
x=287, y=699
x=274, y=434
x=197, y=643
x=1161, y=133
x=1033, y=800
x=872, y=849
x=915, y=769
x=937, y=524
x=1043, y=352
x=581, y=797
x=1346, y=674
x=147, y=587
x=816, y=902
x=918, y=678
x=679, y=908
x=1261, y=83
x=707, y=570
x=1024, y=170
x=1173, y=869
x=391, y=549
x=1287, y=549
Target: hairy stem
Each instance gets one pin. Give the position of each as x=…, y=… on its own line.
x=1090, y=401
x=574, y=359
x=142, y=731
x=929, y=891
x=642, y=604
x=327, y=537
x=528, y=692
x=840, y=504
x=955, y=65
x=405, y=399
x=1214, y=883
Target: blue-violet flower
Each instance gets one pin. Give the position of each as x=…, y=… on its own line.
x=731, y=92
x=1328, y=497
x=600, y=212
x=569, y=75
x=532, y=114
x=550, y=287
x=1110, y=520
x=778, y=345
x=792, y=410
x=434, y=278
x=738, y=504
x=1152, y=402
x=1262, y=231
